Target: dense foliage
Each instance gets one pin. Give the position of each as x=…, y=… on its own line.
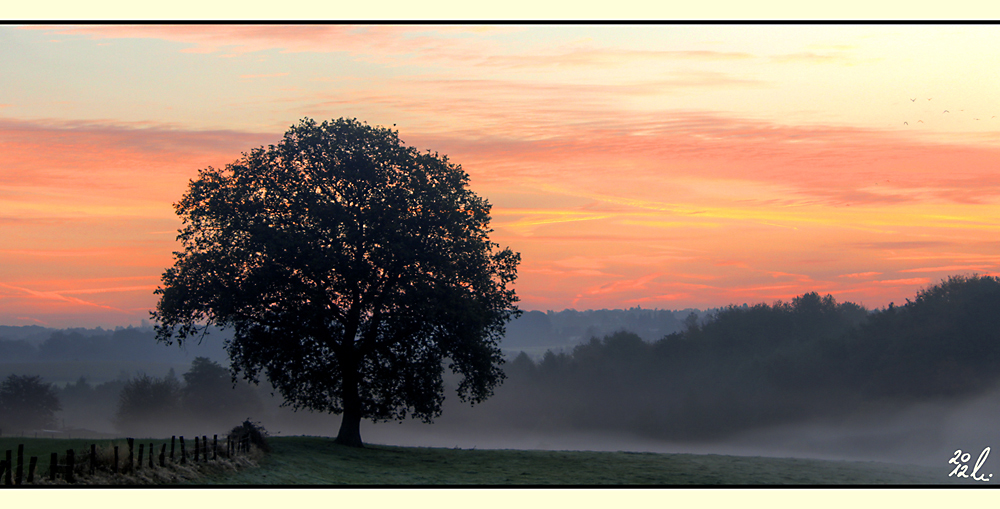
x=350, y=268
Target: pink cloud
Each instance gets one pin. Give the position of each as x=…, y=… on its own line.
x=136, y=157
x=951, y=268
x=908, y=282
x=861, y=275
x=382, y=43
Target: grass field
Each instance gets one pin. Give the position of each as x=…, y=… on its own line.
x=318, y=461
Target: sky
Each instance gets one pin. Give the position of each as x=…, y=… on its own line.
x=664, y=166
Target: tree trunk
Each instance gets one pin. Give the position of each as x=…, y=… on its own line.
x=350, y=423
x=350, y=429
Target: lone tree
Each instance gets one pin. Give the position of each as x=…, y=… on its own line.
x=350, y=268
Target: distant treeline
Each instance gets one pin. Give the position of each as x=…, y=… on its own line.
x=138, y=405
x=570, y=327
x=751, y=366
x=534, y=331
x=40, y=344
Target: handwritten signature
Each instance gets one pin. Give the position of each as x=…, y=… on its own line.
x=961, y=462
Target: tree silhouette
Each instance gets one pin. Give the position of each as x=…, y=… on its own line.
x=148, y=404
x=350, y=267
x=27, y=403
x=210, y=394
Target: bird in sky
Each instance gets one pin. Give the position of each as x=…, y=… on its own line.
x=920, y=121
x=945, y=111
x=913, y=100
x=906, y=123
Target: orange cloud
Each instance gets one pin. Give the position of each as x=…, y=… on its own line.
x=861, y=275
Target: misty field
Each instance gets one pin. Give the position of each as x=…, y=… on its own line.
x=318, y=461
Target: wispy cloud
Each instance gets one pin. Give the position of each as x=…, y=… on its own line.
x=272, y=75
x=861, y=275
x=59, y=296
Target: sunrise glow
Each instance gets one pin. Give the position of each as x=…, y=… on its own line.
x=663, y=166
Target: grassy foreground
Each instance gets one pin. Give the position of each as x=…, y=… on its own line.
x=318, y=461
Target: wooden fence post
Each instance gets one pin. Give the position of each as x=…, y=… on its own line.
x=70, y=463
x=204, y=448
x=183, y=452
x=93, y=458
x=196, y=448
x=163, y=454
x=215, y=447
x=53, y=464
x=114, y=466
x=19, y=473
x=141, y=447
x=131, y=457
x=151, y=455
x=3, y=468
x=172, y=447
x=31, y=469
x=10, y=466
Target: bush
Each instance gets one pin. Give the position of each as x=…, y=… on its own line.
x=253, y=430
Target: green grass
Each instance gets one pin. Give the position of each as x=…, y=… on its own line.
x=43, y=447
x=318, y=461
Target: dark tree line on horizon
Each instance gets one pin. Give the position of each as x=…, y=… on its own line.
x=754, y=366
x=137, y=405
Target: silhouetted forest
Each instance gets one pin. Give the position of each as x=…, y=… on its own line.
x=753, y=366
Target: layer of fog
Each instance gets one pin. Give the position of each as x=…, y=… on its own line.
x=926, y=433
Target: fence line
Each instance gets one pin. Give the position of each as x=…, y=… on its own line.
x=13, y=473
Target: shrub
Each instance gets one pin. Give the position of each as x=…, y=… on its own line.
x=253, y=430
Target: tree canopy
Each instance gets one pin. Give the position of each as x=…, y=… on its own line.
x=350, y=267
